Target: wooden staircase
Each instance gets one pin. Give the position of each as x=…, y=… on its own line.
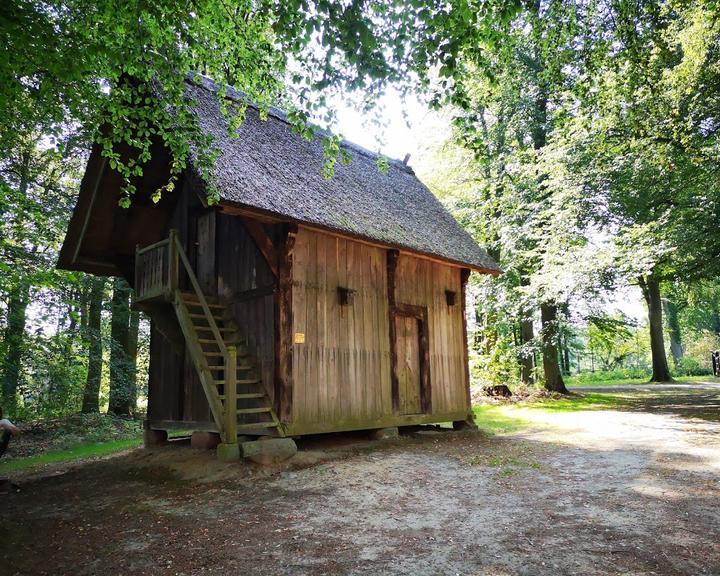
x=227, y=371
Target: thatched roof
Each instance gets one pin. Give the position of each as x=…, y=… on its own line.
x=269, y=168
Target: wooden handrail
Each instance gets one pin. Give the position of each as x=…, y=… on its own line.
x=179, y=252
x=153, y=246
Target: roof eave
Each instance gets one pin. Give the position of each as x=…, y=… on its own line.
x=268, y=215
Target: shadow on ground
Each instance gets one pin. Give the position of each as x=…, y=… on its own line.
x=701, y=400
x=604, y=492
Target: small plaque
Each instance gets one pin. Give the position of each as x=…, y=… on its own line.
x=299, y=338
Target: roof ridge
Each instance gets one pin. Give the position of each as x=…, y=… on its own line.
x=280, y=114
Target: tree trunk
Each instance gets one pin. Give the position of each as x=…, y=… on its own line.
x=673, y=326
x=91, y=395
x=131, y=352
x=14, y=339
x=120, y=392
x=565, y=357
x=550, y=335
x=650, y=286
x=527, y=358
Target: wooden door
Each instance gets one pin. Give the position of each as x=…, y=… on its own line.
x=409, y=369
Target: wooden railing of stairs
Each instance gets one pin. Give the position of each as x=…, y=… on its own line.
x=228, y=373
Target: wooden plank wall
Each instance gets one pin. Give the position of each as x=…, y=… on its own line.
x=423, y=282
x=341, y=372
x=165, y=379
x=242, y=267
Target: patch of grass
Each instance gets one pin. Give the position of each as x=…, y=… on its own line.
x=583, y=380
x=498, y=419
x=502, y=461
x=78, y=452
x=578, y=381
x=508, y=418
x=579, y=401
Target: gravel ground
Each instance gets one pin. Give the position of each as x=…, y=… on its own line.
x=631, y=491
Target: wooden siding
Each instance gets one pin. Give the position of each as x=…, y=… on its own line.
x=165, y=377
x=341, y=371
x=421, y=282
x=245, y=285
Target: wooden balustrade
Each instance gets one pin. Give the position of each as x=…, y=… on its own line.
x=156, y=269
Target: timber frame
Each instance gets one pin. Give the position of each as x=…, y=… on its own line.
x=283, y=323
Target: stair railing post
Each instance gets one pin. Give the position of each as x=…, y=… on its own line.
x=229, y=449
x=231, y=394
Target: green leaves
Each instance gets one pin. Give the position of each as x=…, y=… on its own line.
x=383, y=164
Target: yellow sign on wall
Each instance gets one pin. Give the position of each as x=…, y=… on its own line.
x=299, y=338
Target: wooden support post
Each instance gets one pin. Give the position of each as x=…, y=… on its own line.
x=392, y=259
x=172, y=265
x=231, y=396
x=284, y=326
x=464, y=275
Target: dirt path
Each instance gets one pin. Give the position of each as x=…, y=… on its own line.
x=592, y=492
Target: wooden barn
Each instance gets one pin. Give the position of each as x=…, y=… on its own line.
x=297, y=304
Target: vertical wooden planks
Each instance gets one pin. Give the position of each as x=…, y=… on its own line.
x=346, y=377
x=205, y=263
x=420, y=282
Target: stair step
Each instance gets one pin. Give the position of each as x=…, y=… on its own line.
x=190, y=295
x=213, y=341
x=193, y=315
x=208, y=329
x=257, y=426
x=257, y=395
x=219, y=354
x=195, y=303
x=254, y=410
x=239, y=367
x=239, y=382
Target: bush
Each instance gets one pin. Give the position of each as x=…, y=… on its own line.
x=610, y=376
x=690, y=366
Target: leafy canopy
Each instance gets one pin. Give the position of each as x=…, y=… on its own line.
x=116, y=70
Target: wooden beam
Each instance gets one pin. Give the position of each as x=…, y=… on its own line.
x=88, y=212
x=284, y=325
x=425, y=387
x=392, y=259
x=246, y=295
x=263, y=242
x=464, y=275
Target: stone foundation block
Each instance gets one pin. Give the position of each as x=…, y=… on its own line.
x=384, y=433
x=204, y=440
x=154, y=438
x=269, y=451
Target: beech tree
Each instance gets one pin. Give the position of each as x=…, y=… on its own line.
x=93, y=334
x=647, y=143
